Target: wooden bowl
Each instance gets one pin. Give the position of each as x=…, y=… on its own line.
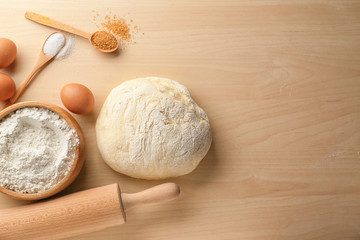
x=79, y=155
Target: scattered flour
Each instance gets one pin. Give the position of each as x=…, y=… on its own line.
x=67, y=49
x=37, y=150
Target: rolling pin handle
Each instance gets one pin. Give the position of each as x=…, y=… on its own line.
x=160, y=193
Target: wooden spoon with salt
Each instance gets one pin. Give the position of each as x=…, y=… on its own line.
x=100, y=40
x=45, y=56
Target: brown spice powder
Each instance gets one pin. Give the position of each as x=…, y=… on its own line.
x=123, y=30
x=104, y=40
x=118, y=27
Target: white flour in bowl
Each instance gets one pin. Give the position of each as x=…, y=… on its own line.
x=37, y=150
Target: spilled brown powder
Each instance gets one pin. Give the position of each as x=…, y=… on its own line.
x=117, y=26
x=104, y=40
x=122, y=29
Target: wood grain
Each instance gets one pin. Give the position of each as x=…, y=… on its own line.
x=279, y=81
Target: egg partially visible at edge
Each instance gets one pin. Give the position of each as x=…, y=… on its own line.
x=7, y=87
x=8, y=52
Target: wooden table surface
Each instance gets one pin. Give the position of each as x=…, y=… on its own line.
x=280, y=82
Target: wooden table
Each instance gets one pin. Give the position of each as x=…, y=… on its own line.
x=280, y=82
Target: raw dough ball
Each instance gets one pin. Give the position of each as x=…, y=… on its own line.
x=151, y=128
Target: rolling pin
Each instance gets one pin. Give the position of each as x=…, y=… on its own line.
x=78, y=213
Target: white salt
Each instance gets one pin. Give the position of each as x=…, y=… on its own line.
x=54, y=44
x=67, y=49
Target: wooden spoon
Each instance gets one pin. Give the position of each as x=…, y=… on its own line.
x=64, y=27
x=41, y=62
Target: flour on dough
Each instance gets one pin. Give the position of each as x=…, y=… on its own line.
x=151, y=128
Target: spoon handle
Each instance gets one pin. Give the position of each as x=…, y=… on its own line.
x=56, y=24
x=40, y=63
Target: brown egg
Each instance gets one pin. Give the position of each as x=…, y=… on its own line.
x=77, y=98
x=7, y=52
x=7, y=87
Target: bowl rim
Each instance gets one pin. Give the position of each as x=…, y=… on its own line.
x=79, y=153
